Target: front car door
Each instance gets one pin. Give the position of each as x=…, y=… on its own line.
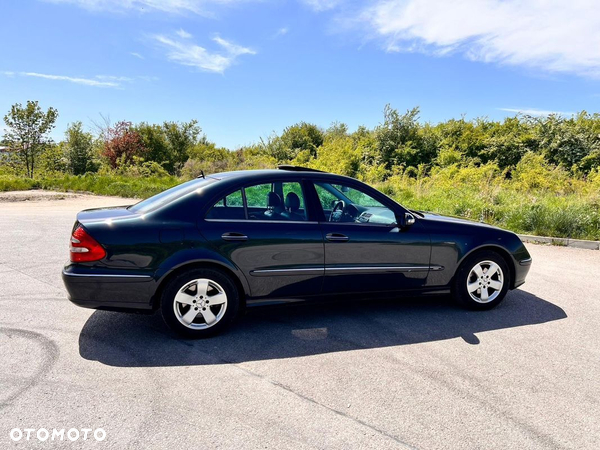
x=365, y=250
x=268, y=232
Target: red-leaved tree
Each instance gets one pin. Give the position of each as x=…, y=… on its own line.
x=122, y=144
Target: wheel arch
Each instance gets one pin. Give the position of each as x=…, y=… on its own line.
x=501, y=251
x=164, y=281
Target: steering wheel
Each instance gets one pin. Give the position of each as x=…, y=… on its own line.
x=337, y=211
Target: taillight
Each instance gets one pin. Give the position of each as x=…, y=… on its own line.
x=85, y=248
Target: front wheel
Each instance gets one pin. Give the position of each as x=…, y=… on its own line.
x=482, y=281
x=199, y=303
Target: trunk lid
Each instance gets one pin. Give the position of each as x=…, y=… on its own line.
x=103, y=214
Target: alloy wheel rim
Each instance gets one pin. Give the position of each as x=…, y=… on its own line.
x=200, y=304
x=485, y=282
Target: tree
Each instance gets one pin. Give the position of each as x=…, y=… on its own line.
x=295, y=139
x=155, y=141
x=169, y=144
x=338, y=155
x=79, y=149
x=122, y=144
x=53, y=159
x=568, y=141
x=398, y=139
x=28, y=129
x=181, y=138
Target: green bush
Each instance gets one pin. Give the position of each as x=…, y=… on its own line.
x=537, y=175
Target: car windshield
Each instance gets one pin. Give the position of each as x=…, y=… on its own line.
x=155, y=202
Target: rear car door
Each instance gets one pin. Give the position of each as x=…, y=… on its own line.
x=268, y=232
x=365, y=250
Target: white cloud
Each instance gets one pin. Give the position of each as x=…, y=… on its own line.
x=137, y=55
x=282, y=31
x=183, y=34
x=169, y=6
x=322, y=5
x=109, y=81
x=187, y=53
x=536, y=112
x=114, y=78
x=551, y=35
x=233, y=49
x=85, y=81
x=148, y=78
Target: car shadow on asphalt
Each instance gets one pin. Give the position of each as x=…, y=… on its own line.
x=132, y=340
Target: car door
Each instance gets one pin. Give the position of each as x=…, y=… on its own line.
x=365, y=249
x=278, y=248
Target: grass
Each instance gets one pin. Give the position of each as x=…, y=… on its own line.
x=561, y=210
x=115, y=185
x=569, y=209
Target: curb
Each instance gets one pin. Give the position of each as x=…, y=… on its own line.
x=565, y=242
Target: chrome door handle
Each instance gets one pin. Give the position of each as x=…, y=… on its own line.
x=336, y=237
x=237, y=237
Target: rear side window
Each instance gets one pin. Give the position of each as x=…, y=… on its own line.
x=257, y=196
x=230, y=207
x=294, y=188
x=277, y=201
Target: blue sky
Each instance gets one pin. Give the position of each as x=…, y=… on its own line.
x=245, y=68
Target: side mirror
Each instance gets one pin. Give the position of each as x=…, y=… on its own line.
x=406, y=220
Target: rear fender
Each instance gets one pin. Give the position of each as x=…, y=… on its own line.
x=199, y=256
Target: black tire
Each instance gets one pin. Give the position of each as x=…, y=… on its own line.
x=218, y=280
x=463, y=276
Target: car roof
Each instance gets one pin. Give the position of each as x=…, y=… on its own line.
x=224, y=181
x=292, y=173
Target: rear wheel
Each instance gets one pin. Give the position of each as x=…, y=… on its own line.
x=482, y=281
x=200, y=303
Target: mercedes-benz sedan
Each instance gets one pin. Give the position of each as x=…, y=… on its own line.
x=202, y=251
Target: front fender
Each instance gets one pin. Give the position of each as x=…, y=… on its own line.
x=451, y=245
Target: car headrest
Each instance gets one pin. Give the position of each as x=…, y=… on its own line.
x=292, y=201
x=273, y=200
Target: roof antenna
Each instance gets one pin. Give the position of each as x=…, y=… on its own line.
x=201, y=174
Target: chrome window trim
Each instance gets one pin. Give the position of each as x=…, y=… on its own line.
x=261, y=221
x=303, y=269
x=383, y=268
x=299, y=271
x=391, y=226
x=347, y=269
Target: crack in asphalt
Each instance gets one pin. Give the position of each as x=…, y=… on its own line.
x=303, y=397
x=10, y=268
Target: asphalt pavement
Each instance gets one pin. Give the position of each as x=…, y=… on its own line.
x=409, y=373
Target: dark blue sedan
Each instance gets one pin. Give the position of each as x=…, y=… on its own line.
x=204, y=250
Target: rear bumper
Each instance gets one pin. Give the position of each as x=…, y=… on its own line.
x=109, y=291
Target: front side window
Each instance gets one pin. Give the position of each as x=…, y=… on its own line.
x=350, y=205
